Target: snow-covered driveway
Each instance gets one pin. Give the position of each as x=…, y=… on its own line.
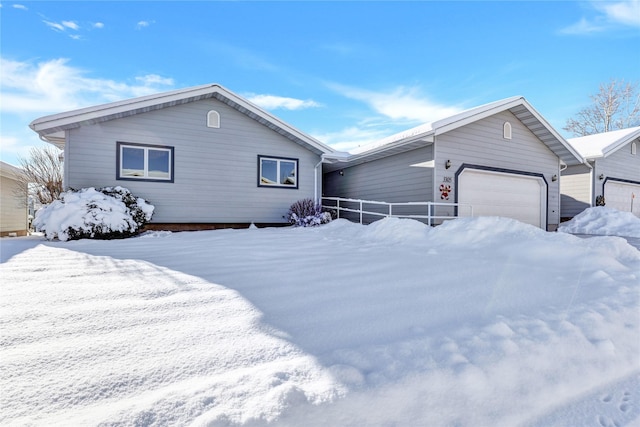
x=477, y=322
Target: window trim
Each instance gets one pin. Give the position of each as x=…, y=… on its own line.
x=278, y=159
x=119, y=147
x=634, y=148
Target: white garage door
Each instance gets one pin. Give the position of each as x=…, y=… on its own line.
x=620, y=195
x=508, y=195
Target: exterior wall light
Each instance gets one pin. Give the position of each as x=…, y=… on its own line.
x=341, y=172
x=554, y=178
x=447, y=164
x=601, y=176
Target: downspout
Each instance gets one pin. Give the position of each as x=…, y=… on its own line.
x=315, y=179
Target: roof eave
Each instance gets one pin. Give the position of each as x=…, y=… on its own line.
x=54, y=124
x=615, y=146
x=564, y=151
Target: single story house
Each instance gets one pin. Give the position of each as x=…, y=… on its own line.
x=499, y=159
x=203, y=156
x=13, y=202
x=612, y=171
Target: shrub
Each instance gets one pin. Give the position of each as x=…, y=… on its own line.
x=307, y=213
x=106, y=213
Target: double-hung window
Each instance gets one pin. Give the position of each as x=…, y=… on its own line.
x=144, y=162
x=277, y=172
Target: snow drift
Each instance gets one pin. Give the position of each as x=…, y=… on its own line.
x=603, y=221
x=477, y=322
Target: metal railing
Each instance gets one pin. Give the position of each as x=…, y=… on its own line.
x=388, y=209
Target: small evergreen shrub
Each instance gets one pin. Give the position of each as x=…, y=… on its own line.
x=106, y=213
x=307, y=213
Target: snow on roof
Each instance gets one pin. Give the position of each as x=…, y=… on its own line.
x=603, y=144
x=431, y=127
x=418, y=131
x=518, y=105
x=52, y=128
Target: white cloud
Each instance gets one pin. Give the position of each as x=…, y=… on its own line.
x=401, y=103
x=272, y=102
x=54, y=86
x=611, y=15
x=54, y=25
x=623, y=12
x=71, y=24
x=352, y=137
x=62, y=26
x=98, y=25
x=395, y=110
x=17, y=146
x=20, y=6
x=154, y=79
x=142, y=24
x=582, y=27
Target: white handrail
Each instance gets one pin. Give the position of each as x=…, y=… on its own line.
x=360, y=211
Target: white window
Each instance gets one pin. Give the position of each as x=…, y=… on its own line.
x=634, y=148
x=144, y=162
x=213, y=119
x=506, y=130
x=277, y=172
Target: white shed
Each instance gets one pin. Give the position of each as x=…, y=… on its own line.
x=13, y=209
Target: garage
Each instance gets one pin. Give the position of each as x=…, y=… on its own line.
x=624, y=196
x=512, y=195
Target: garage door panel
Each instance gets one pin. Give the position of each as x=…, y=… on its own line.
x=620, y=195
x=503, y=194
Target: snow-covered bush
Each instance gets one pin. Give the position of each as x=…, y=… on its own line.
x=307, y=213
x=106, y=213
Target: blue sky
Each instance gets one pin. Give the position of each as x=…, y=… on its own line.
x=347, y=73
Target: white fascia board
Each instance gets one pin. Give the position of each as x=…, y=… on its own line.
x=49, y=127
x=603, y=144
x=473, y=115
x=60, y=120
x=621, y=142
x=394, y=147
x=336, y=156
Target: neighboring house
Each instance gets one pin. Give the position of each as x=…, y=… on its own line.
x=202, y=156
x=13, y=207
x=613, y=171
x=503, y=159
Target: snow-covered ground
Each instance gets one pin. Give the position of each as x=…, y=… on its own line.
x=603, y=221
x=478, y=322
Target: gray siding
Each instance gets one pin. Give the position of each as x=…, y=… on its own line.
x=13, y=212
x=575, y=190
x=215, y=168
x=390, y=179
x=481, y=143
x=621, y=164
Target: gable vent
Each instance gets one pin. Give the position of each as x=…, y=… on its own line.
x=506, y=130
x=213, y=119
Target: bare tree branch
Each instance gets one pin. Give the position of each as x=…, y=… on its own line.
x=41, y=175
x=615, y=106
